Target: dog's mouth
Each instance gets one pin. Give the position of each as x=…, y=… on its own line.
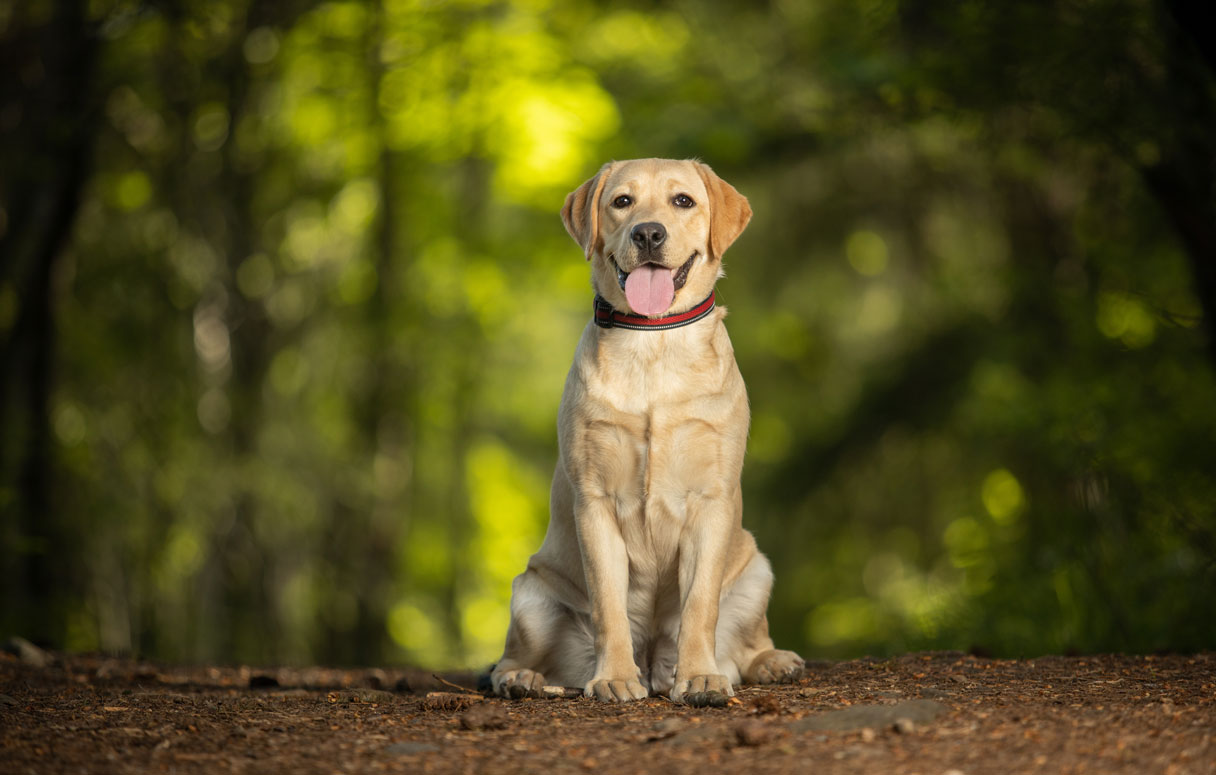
x=651, y=288
x=678, y=278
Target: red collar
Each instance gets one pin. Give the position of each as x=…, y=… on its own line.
x=607, y=317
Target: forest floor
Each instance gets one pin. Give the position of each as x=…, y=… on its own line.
x=933, y=713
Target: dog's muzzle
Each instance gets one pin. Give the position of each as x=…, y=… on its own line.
x=678, y=278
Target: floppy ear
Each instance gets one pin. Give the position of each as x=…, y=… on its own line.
x=581, y=213
x=729, y=211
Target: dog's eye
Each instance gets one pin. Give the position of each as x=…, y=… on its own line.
x=683, y=200
x=622, y=201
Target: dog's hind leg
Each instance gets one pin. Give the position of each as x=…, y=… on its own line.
x=547, y=643
x=744, y=649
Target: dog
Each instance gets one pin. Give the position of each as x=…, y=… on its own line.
x=646, y=581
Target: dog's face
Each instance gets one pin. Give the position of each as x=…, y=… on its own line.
x=654, y=231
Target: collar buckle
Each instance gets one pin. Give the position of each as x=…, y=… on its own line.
x=602, y=312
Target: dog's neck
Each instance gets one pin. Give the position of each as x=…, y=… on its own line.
x=606, y=316
x=633, y=371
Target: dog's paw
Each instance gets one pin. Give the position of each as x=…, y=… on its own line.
x=775, y=667
x=703, y=690
x=517, y=684
x=615, y=690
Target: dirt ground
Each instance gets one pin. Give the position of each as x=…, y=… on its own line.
x=934, y=714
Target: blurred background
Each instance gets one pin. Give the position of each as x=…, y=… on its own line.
x=286, y=308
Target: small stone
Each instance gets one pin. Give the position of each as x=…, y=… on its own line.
x=485, y=716
x=376, y=678
x=904, y=726
x=753, y=732
x=809, y=691
x=868, y=734
x=27, y=652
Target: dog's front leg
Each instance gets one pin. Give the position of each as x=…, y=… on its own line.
x=606, y=564
x=703, y=547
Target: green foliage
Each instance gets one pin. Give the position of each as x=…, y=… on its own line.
x=316, y=306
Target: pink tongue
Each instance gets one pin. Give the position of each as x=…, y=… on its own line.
x=649, y=289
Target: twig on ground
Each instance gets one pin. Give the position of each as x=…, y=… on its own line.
x=446, y=682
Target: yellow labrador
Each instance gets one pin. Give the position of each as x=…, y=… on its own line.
x=646, y=580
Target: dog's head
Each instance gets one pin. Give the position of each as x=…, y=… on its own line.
x=654, y=231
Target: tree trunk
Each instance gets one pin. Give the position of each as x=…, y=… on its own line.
x=52, y=93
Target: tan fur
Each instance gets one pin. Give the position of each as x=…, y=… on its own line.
x=646, y=580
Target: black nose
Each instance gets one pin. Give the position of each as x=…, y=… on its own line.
x=648, y=236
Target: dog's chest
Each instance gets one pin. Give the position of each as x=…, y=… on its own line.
x=663, y=432
x=651, y=470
